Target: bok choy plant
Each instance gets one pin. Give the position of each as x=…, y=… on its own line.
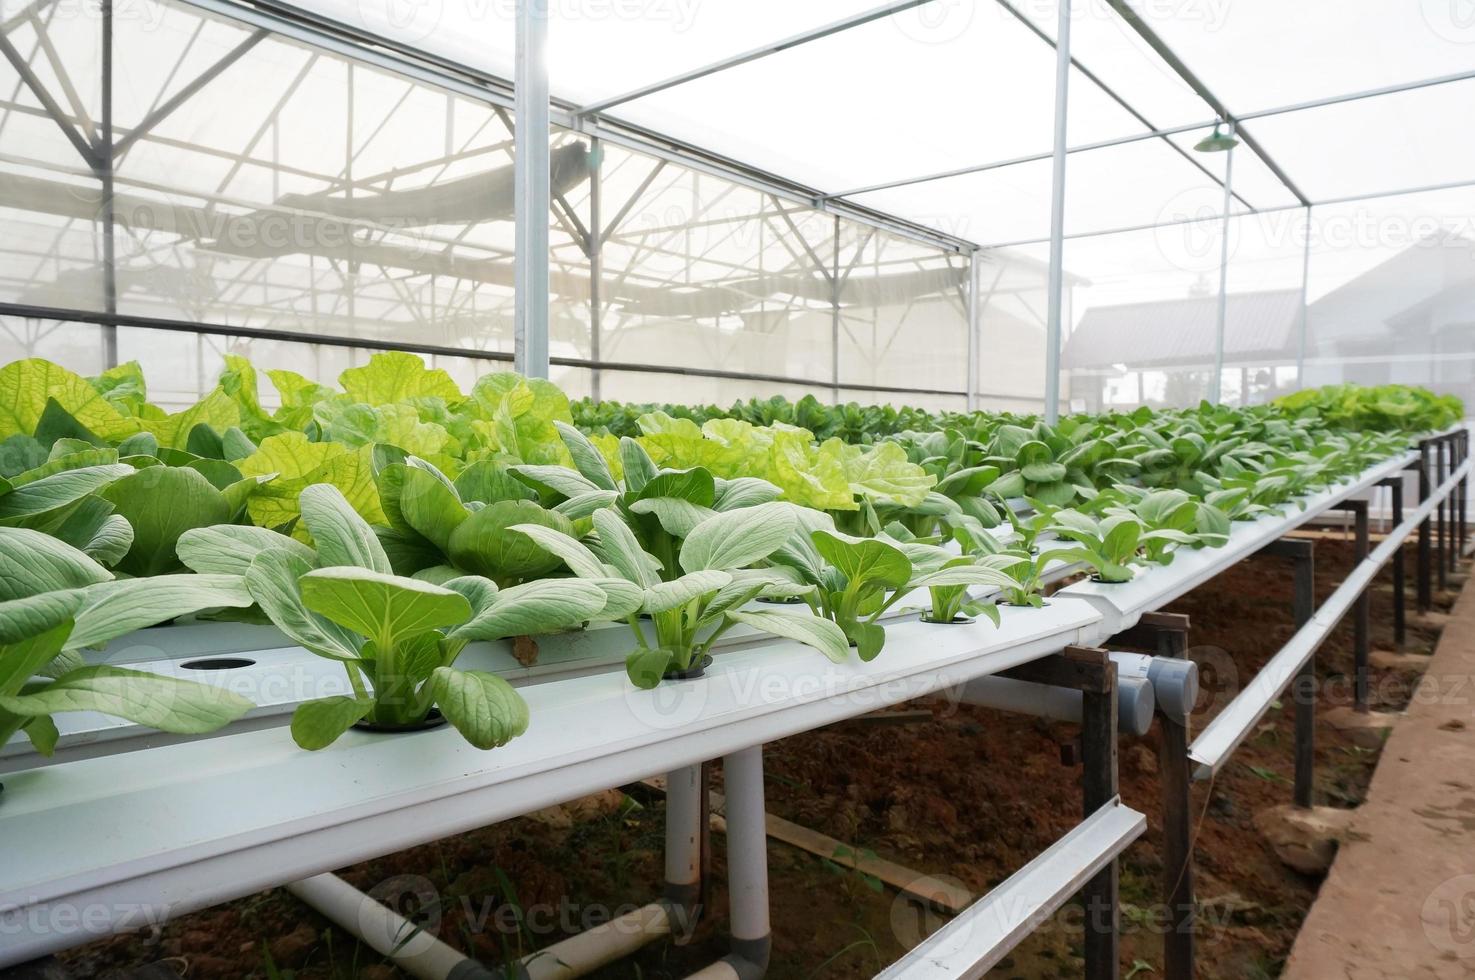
x=698, y=596
x=398, y=638
x=55, y=600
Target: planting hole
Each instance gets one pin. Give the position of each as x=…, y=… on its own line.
x=218, y=663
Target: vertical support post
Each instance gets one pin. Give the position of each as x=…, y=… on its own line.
x=835, y=313
x=1177, y=777
x=747, y=856
x=1400, y=613
x=1056, y=284
x=104, y=156
x=1305, y=307
x=1425, y=585
x=1216, y=395
x=596, y=261
x=684, y=793
x=975, y=320
x=1303, y=688
x=531, y=178
x=1441, y=529
x=1452, y=461
x=1362, y=613
x=1464, y=490
x=1098, y=788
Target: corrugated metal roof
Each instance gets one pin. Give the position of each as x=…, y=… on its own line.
x=1181, y=331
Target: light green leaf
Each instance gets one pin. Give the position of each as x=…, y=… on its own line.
x=273, y=582
x=317, y=724
x=396, y=376
x=31, y=498
x=484, y=708
x=342, y=536
x=429, y=504
x=385, y=608
x=810, y=630
x=745, y=491
x=677, y=516
x=556, y=479
x=486, y=544
x=617, y=546
x=32, y=563
x=543, y=606
x=588, y=460
x=668, y=595
x=230, y=548
x=170, y=705
x=34, y=632
x=580, y=560
x=738, y=538
x=864, y=561
x=111, y=609
x=646, y=666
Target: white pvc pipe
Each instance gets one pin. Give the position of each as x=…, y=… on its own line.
x=413, y=950
x=684, y=831
x=599, y=946
x=1135, y=700
x=747, y=845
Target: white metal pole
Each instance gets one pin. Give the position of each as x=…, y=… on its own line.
x=1216, y=382
x=531, y=177
x=1057, y=218
x=1305, y=309
x=975, y=320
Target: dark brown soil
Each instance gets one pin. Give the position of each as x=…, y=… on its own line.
x=970, y=794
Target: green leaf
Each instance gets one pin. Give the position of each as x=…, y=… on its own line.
x=161, y=503
x=29, y=499
x=744, y=491
x=558, y=480
x=484, y=708
x=342, y=536
x=396, y=376
x=669, y=595
x=864, y=561
x=694, y=485
x=738, y=538
x=317, y=724
x=678, y=517
x=428, y=504
x=385, y=608
x=617, y=546
x=580, y=560
x=637, y=465
x=646, y=666
x=112, y=609
x=868, y=638
x=27, y=385
x=35, y=630
x=43, y=734
x=810, y=630
x=230, y=548
x=486, y=544
x=543, y=606
x=588, y=460
x=32, y=563
x=273, y=582
x=166, y=703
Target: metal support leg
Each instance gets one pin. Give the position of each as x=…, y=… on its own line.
x=747, y=860
x=1451, y=558
x=1098, y=788
x=1362, y=615
x=1303, y=688
x=1441, y=535
x=1464, y=491
x=1167, y=634
x=1425, y=566
x=1400, y=612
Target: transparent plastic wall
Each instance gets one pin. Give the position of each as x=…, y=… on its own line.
x=1263, y=306
x=1392, y=292
x=267, y=190
x=1143, y=307
x=1012, y=297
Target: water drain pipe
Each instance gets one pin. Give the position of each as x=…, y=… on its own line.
x=423, y=956
x=1135, y=700
x=1174, y=680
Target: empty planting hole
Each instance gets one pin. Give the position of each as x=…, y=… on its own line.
x=218, y=663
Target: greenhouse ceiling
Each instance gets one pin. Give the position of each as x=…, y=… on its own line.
x=1334, y=99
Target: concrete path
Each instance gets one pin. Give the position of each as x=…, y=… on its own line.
x=1399, y=903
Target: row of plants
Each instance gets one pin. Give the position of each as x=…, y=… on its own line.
x=388, y=522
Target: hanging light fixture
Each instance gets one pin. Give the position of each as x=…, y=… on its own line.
x=1218, y=141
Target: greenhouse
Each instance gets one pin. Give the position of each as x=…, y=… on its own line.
x=687, y=488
